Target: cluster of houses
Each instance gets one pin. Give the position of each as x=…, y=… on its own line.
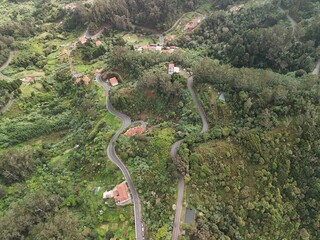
x=82, y=40
x=67, y=52
x=155, y=47
x=84, y=78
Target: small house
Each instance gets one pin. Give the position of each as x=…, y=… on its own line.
x=77, y=80
x=120, y=194
x=171, y=68
x=98, y=43
x=86, y=80
x=134, y=131
x=190, y=216
x=82, y=40
x=96, y=72
x=113, y=81
x=222, y=98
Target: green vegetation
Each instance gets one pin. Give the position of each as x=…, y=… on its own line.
x=261, y=36
x=252, y=165
x=253, y=175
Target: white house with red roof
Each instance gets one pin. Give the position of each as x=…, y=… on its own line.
x=120, y=194
x=172, y=69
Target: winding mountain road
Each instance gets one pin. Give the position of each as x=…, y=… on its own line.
x=94, y=36
x=316, y=71
x=292, y=22
x=5, y=65
x=7, y=106
x=173, y=153
x=112, y=155
x=205, y=125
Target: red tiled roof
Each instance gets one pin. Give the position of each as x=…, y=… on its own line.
x=167, y=51
x=29, y=79
x=104, y=76
x=98, y=43
x=86, y=80
x=133, y=131
x=82, y=40
x=170, y=37
x=97, y=71
x=113, y=81
x=121, y=193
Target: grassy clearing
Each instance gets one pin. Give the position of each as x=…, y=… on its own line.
x=28, y=88
x=137, y=39
x=36, y=142
x=14, y=111
x=27, y=73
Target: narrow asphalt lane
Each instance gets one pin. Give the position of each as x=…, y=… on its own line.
x=112, y=155
x=5, y=65
x=173, y=153
x=7, y=106
x=179, y=204
x=205, y=125
x=316, y=71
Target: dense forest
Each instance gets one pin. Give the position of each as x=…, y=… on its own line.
x=262, y=155
x=258, y=37
x=159, y=14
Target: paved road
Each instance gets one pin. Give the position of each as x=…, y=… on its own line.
x=292, y=22
x=95, y=36
x=205, y=125
x=177, y=217
x=8, y=105
x=126, y=121
x=5, y=65
x=316, y=71
x=173, y=153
